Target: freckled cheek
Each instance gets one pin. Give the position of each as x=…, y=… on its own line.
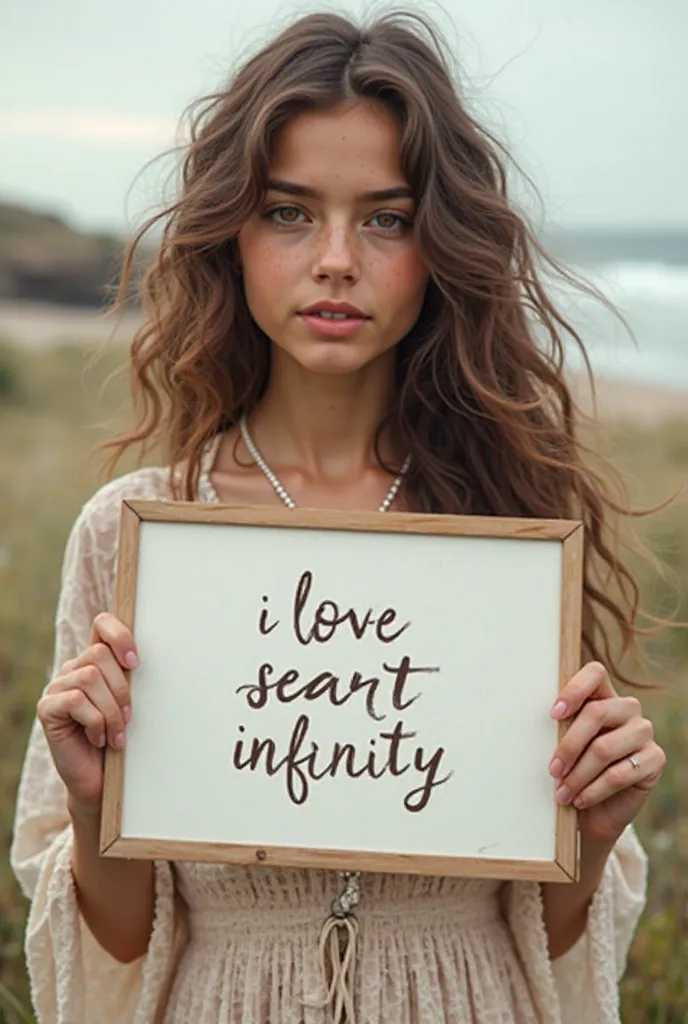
x=402, y=282
x=268, y=269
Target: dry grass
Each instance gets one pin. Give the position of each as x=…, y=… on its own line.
x=45, y=474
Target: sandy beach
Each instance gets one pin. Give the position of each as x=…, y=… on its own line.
x=38, y=325
x=627, y=400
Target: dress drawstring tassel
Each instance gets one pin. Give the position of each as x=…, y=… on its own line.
x=338, y=950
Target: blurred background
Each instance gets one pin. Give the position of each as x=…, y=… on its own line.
x=591, y=99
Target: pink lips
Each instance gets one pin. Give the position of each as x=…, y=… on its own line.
x=329, y=327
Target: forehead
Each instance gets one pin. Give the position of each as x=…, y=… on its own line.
x=352, y=148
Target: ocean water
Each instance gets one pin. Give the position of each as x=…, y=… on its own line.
x=646, y=278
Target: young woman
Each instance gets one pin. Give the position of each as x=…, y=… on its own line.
x=341, y=314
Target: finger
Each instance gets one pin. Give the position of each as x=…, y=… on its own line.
x=605, y=750
x=104, y=659
x=70, y=706
x=598, y=716
x=89, y=680
x=592, y=681
x=109, y=630
x=625, y=775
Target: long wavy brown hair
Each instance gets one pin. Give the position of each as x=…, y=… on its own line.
x=481, y=403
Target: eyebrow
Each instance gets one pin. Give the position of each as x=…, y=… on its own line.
x=292, y=188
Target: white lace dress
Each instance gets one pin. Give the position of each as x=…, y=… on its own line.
x=240, y=945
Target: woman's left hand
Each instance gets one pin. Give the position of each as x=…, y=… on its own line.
x=608, y=762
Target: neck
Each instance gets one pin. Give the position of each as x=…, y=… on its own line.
x=325, y=424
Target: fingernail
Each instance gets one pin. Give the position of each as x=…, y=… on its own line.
x=556, y=768
x=579, y=802
x=559, y=709
x=100, y=742
x=119, y=740
x=126, y=715
x=563, y=794
x=130, y=660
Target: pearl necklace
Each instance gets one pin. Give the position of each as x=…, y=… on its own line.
x=282, y=492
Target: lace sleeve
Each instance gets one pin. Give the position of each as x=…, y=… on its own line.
x=69, y=972
x=582, y=987
x=588, y=976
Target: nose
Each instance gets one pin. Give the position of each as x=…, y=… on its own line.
x=336, y=259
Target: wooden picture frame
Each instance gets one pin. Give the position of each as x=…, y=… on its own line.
x=369, y=535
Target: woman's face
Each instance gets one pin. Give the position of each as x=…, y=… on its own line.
x=334, y=236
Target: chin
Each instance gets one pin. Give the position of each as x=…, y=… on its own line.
x=333, y=358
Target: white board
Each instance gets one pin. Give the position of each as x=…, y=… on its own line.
x=420, y=744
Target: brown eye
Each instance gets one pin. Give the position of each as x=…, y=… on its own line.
x=392, y=222
x=284, y=214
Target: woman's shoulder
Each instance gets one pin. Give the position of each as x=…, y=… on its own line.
x=91, y=548
x=101, y=512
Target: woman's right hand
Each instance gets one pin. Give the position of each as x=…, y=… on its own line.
x=87, y=706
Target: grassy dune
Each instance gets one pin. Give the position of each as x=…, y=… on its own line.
x=48, y=405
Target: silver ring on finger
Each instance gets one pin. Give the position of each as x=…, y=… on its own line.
x=634, y=761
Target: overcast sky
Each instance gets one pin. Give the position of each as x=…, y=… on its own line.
x=592, y=96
